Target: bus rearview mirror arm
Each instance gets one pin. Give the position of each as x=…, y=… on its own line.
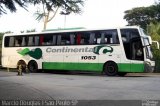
x=157, y=44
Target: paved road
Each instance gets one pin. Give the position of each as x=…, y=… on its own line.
x=42, y=86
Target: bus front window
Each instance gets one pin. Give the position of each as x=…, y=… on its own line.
x=149, y=54
x=132, y=44
x=147, y=46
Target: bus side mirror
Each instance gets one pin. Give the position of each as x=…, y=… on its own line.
x=150, y=40
x=157, y=44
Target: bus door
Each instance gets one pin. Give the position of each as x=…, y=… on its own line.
x=137, y=55
x=133, y=50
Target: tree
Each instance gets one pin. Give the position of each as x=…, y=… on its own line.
x=143, y=15
x=29, y=31
x=1, y=36
x=10, y=5
x=51, y=7
x=154, y=31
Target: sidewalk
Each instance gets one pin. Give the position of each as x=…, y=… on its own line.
x=143, y=74
x=6, y=74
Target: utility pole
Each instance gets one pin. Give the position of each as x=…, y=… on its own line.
x=65, y=13
x=65, y=21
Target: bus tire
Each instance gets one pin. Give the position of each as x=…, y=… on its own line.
x=33, y=66
x=23, y=65
x=111, y=68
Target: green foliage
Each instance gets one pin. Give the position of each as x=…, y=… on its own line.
x=143, y=15
x=156, y=54
x=10, y=5
x=29, y=31
x=1, y=36
x=154, y=32
x=67, y=6
x=8, y=32
x=51, y=7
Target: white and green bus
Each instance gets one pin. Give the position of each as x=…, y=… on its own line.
x=111, y=51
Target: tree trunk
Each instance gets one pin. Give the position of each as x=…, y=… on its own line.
x=45, y=24
x=46, y=21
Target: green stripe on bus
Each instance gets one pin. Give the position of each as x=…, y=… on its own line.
x=72, y=66
x=95, y=67
x=124, y=67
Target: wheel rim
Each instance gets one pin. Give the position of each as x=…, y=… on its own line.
x=32, y=67
x=111, y=69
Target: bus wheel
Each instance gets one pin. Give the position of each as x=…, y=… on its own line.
x=33, y=66
x=122, y=74
x=111, y=68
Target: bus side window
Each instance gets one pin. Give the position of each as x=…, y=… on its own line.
x=97, y=37
x=47, y=40
x=7, y=42
x=115, y=37
x=23, y=41
x=92, y=38
x=11, y=41
x=78, y=40
x=59, y=40
x=65, y=39
x=18, y=41
x=41, y=40
x=98, y=40
x=102, y=41
x=54, y=40
x=85, y=38
x=36, y=40
x=30, y=41
x=109, y=37
x=72, y=39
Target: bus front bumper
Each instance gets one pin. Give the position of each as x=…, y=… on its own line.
x=149, y=66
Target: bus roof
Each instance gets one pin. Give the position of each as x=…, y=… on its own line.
x=61, y=30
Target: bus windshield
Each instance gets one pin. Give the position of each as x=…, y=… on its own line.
x=149, y=54
x=143, y=32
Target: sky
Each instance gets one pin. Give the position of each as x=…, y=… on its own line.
x=97, y=14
